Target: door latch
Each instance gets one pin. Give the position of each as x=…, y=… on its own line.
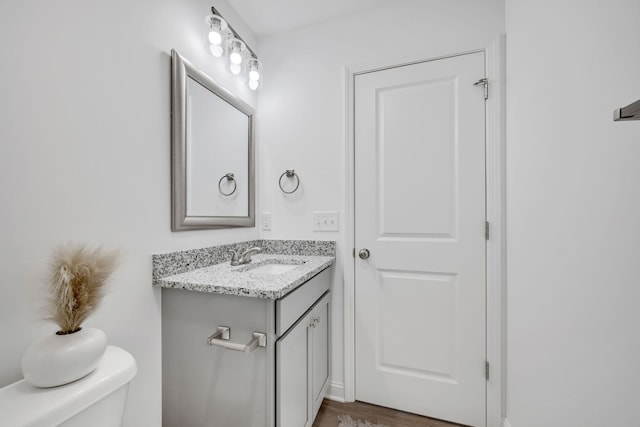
x=485, y=82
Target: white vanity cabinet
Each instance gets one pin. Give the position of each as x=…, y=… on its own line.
x=302, y=367
x=280, y=385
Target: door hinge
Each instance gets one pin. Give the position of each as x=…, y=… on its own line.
x=485, y=82
x=486, y=369
x=487, y=233
x=354, y=252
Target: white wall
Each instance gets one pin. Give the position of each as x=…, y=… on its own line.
x=302, y=106
x=573, y=213
x=85, y=156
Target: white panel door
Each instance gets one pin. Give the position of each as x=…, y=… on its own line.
x=420, y=211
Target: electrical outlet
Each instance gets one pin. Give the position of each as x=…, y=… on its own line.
x=266, y=220
x=325, y=221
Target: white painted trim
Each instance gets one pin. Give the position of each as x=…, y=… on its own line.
x=495, y=159
x=349, y=254
x=496, y=209
x=506, y=423
x=335, y=392
x=414, y=58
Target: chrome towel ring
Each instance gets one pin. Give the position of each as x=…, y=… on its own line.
x=289, y=173
x=229, y=177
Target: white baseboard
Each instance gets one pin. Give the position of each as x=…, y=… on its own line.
x=506, y=423
x=335, y=392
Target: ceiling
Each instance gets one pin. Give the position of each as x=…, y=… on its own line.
x=266, y=17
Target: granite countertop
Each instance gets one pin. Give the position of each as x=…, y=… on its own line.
x=223, y=278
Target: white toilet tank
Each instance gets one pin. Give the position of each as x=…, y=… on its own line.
x=97, y=400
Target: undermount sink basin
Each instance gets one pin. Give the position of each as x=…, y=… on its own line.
x=272, y=268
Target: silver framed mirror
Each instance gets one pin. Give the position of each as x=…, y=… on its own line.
x=212, y=152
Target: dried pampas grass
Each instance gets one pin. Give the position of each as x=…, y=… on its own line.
x=77, y=281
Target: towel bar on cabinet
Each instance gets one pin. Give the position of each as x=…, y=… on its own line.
x=223, y=334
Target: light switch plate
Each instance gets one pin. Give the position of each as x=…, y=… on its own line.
x=265, y=220
x=325, y=221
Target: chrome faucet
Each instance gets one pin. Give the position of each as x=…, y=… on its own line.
x=245, y=257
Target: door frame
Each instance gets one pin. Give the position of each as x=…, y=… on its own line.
x=495, y=66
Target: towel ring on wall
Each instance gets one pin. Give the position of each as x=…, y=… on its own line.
x=229, y=177
x=289, y=173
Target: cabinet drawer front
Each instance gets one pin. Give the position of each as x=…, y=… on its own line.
x=295, y=304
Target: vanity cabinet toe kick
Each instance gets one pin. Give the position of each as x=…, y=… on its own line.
x=279, y=372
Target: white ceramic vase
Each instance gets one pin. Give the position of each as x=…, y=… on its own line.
x=60, y=359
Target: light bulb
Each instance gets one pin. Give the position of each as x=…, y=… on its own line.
x=217, y=27
x=253, y=84
x=215, y=38
x=235, y=58
x=235, y=48
x=254, y=75
x=216, y=51
x=235, y=68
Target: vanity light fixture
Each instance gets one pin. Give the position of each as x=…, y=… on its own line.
x=223, y=38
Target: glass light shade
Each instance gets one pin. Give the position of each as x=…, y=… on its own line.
x=254, y=69
x=253, y=84
x=236, y=47
x=217, y=27
x=216, y=51
x=235, y=68
x=215, y=38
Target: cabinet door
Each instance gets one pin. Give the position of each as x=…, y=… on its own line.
x=320, y=352
x=292, y=377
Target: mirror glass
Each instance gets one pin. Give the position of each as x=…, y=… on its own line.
x=212, y=153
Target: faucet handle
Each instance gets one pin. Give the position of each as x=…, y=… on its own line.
x=234, y=256
x=246, y=255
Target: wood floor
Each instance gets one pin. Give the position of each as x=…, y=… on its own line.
x=328, y=415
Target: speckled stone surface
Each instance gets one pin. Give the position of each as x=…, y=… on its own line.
x=180, y=262
x=208, y=269
x=298, y=247
x=242, y=280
